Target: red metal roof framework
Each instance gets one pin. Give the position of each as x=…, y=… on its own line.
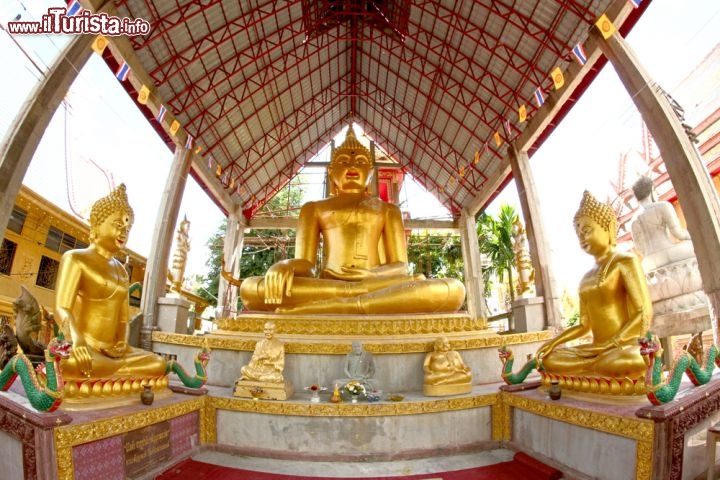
x=262, y=86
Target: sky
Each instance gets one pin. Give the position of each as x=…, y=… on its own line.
x=101, y=139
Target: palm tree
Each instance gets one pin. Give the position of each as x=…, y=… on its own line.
x=496, y=243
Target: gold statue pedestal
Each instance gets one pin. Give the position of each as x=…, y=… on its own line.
x=446, y=390
x=110, y=392
x=263, y=390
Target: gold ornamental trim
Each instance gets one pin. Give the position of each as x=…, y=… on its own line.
x=335, y=346
x=71, y=435
x=345, y=409
x=355, y=325
x=633, y=428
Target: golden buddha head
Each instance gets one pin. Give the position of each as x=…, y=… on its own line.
x=599, y=213
x=111, y=218
x=350, y=167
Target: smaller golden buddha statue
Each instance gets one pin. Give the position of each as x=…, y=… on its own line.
x=365, y=268
x=91, y=308
x=615, y=310
x=445, y=371
x=263, y=376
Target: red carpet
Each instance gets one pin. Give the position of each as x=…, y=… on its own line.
x=522, y=467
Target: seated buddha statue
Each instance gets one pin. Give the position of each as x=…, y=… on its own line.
x=656, y=230
x=268, y=359
x=445, y=372
x=615, y=307
x=91, y=304
x=365, y=269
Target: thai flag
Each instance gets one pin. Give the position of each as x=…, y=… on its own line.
x=579, y=53
x=74, y=8
x=123, y=71
x=635, y=3
x=161, y=114
x=539, y=98
x=189, y=142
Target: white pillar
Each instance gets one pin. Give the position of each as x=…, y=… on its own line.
x=157, y=264
x=474, y=287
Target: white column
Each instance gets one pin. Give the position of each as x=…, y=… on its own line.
x=474, y=287
x=157, y=263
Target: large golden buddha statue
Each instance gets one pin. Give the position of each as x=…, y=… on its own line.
x=91, y=304
x=615, y=307
x=365, y=267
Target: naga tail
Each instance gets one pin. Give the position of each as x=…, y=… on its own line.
x=701, y=374
x=507, y=358
x=200, y=377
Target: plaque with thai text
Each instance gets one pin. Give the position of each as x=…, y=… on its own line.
x=146, y=448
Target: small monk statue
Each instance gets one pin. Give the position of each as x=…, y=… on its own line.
x=359, y=366
x=656, y=230
x=179, y=258
x=268, y=359
x=615, y=307
x=263, y=376
x=91, y=303
x=365, y=267
x=445, y=371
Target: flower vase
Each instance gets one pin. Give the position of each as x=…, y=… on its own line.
x=315, y=397
x=353, y=399
x=147, y=396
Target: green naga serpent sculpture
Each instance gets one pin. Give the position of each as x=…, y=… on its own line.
x=201, y=360
x=507, y=358
x=662, y=391
x=46, y=395
x=44, y=385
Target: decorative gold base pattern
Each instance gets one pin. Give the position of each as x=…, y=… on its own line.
x=109, y=392
x=596, y=384
x=446, y=390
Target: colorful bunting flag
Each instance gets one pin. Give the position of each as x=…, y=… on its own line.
x=508, y=131
x=74, y=8
x=174, y=127
x=605, y=26
x=476, y=158
x=210, y=162
x=189, y=142
x=461, y=171
x=232, y=183
x=161, y=114
x=522, y=114
x=579, y=53
x=558, y=78
x=198, y=149
x=123, y=71
x=498, y=140
x=143, y=95
x=99, y=44
x=218, y=170
x=635, y=3
x=539, y=97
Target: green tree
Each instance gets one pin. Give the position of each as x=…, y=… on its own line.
x=436, y=255
x=496, y=244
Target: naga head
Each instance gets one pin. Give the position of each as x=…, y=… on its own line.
x=59, y=347
x=504, y=353
x=648, y=345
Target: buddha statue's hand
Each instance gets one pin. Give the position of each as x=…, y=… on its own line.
x=352, y=274
x=83, y=358
x=116, y=351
